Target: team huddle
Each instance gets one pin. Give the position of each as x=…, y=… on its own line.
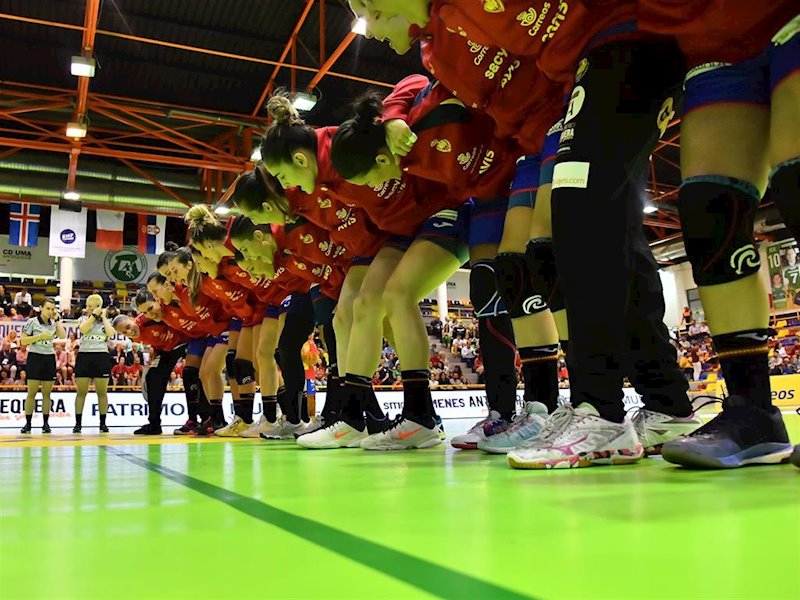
x=527, y=144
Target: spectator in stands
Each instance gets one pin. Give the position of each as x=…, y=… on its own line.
x=12, y=338
x=788, y=367
x=697, y=365
x=436, y=329
x=134, y=372
x=118, y=372
x=8, y=359
x=459, y=331
x=72, y=338
x=22, y=379
x=13, y=314
x=112, y=300
x=175, y=382
x=63, y=370
x=685, y=363
x=22, y=297
x=5, y=299
x=119, y=352
x=686, y=317
x=22, y=359
x=136, y=351
x=384, y=374
x=146, y=353
x=6, y=378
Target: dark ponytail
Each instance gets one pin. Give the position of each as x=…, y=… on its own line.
x=258, y=187
x=359, y=140
x=143, y=296
x=287, y=133
x=165, y=257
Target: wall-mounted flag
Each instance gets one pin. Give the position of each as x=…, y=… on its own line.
x=24, y=225
x=152, y=230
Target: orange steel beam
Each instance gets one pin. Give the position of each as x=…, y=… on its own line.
x=167, y=190
x=87, y=49
x=214, y=165
x=325, y=69
x=322, y=24
x=294, y=61
x=35, y=108
x=144, y=40
x=290, y=45
x=197, y=144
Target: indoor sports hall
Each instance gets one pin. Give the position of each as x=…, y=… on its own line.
x=399, y=299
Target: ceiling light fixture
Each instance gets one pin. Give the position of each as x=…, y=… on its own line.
x=649, y=209
x=304, y=101
x=360, y=26
x=76, y=130
x=71, y=195
x=83, y=66
x=255, y=155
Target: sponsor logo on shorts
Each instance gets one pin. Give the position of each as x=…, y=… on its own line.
x=583, y=66
x=575, y=103
x=571, y=175
x=665, y=115
x=494, y=6
x=533, y=304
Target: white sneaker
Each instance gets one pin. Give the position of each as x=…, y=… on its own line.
x=404, y=435
x=283, y=429
x=336, y=435
x=579, y=437
x=256, y=429
x=526, y=427
x=232, y=429
x=477, y=433
x=655, y=429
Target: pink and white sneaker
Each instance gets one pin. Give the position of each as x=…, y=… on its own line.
x=578, y=437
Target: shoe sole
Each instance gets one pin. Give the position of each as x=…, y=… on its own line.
x=608, y=457
x=464, y=445
x=490, y=450
x=421, y=446
x=761, y=454
x=331, y=445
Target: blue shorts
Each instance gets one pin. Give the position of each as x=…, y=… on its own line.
x=217, y=340
x=526, y=181
x=196, y=347
x=486, y=221
x=362, y=261
x=550, y=151
x=448, y=229
x=272, y=312
x=749, y=82
x=311, y=387
x=323, y=306
x=236, y=325
x=284, y=307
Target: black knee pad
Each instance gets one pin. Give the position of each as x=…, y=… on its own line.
x=717, y=217
x=483, y=292
x=245, y=372
x=542, y=265
x=515, y=285
x=230, y=365
x=191, y=379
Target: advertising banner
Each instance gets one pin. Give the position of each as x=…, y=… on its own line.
x=68, y=233
x=15, y=260
x=784, y=275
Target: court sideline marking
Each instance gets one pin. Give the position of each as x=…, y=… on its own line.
x=427, y=576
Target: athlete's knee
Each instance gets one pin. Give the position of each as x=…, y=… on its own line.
x=542, y=266
x=368, y=302
x=515, y=285
x=395, y=296
x=483, y=290
x=717, y=217
x=245, y=371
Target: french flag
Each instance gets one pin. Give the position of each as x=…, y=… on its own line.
x=110, y=225
x=152, y=229
x=23, y=227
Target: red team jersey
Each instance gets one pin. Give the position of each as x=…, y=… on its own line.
x=306, y=240
x=189, y=326
x=160, y=336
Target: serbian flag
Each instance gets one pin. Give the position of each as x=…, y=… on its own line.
x=110, y=225
x=151, y=234
x=23, y=228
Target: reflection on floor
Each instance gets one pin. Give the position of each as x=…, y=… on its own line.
x=107, y=516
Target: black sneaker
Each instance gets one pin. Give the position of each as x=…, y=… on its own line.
x=103, y=428
x=796, y=456
x=46, y=428
x=742, y=434
x=205, y=428
x=76, y=429
x=188, y=428
x=26, y=428
x=148, y=430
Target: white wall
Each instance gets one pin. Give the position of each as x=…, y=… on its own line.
x=93, y=267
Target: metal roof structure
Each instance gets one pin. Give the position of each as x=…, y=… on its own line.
x=176, y=105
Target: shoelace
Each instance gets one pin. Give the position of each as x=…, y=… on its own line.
x=479, y=425
x=519, y=421
x=557, y=422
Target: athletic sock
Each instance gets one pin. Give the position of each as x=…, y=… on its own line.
x=784, y=183
x=417, y=400
x=28, y=420
x=269, y=407
x=354, y=399
x=217, y=414
x=540, y=374
x=247, y=407
x=203, y=406
x=333, y=397
x=102, y=420
x=45, y=420
x=78, y=420
x=496, y=336
x=744, y=359
x=304, y=408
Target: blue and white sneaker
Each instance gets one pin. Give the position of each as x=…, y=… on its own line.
x=491, y=425
x=526, y=426
x=742, y=434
